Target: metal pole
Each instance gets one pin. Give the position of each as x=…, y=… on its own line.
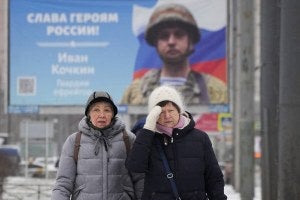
x=270, y=23
x=3, y=56
x=243, y=115
x=46, y=149
x=232, y=49
x=289, y=101
x=39, y=192
x=26, y=147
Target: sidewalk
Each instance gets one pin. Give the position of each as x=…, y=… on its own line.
x=233, y=195
x=33, y=188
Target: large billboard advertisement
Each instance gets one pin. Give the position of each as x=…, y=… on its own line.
x=61, y=51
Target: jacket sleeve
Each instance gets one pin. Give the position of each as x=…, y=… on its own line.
x=64, y=183
x=138, y=184
x=137, y=178
x=138, y=158
x=214, y=181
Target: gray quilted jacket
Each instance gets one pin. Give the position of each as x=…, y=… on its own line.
x=100, y=173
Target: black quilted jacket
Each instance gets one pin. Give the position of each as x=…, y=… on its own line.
x=191, y=159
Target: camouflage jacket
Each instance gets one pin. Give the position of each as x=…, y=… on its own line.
x=198, y=89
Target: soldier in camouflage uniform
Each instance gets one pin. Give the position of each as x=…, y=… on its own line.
x=173, y=31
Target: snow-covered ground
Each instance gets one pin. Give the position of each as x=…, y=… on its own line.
x=233, y=195
x=20, y=188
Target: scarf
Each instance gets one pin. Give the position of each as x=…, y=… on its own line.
x=169, y=131
x=101, y=136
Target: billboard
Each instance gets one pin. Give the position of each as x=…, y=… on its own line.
x=61, y=51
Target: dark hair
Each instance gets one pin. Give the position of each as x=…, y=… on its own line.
x=163, y=103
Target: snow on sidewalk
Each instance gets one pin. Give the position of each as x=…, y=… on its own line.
x=233, y=195
x=32, y=188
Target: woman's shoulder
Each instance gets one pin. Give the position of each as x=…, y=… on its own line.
x=131, y=136
x=201, y=135
x=72, y=137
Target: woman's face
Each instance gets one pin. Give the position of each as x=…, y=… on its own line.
x=169, y=116
x=101, y=114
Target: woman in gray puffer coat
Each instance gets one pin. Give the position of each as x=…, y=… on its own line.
x=100, y=172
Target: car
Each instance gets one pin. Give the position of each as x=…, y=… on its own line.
x=40, y=167
x=9, y=159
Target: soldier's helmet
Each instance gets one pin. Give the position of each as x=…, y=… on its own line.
x=171, y=14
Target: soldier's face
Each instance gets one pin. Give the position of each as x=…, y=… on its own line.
x=173, y=44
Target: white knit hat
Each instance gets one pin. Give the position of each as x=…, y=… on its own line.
x=165, y=93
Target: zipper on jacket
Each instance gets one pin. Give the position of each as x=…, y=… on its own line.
x=173, y=147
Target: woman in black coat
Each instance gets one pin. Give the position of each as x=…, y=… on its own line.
x=188, y=151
